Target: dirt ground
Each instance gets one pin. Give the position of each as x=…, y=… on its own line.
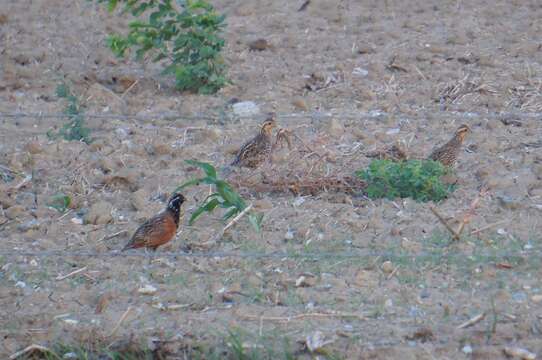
x=344, y=276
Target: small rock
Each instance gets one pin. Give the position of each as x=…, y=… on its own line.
x=28, y=225
x=305, y=281
x=300, y=104
x=536, y=298
x=335, y=128
x=519, y=353
x=289, y=235
x=388, y=303
x=315, y=341
x=20, y=284
x=33, y=147
x=519, y=296
x=72, y=322
x=138, y=199
x=15, y=212
x=259, y=45
x=467, y=349
x=147, y=290
x=245, y=109
x=387, y=267
x=393, y=131
x=360, y=72
x=70, y=355
x=508, y=202
x=76, y=221
x=99, y=213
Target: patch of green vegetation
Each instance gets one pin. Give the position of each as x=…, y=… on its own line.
x=186, y=33
x=74, y=129
x=60, y=202
x=224, y=197
x=416, y=179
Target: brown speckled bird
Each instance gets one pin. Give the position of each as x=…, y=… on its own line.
x=159, y=229
x=447, y=153
x=254, y=152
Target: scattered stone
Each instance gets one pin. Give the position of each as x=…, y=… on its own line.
x=519, y=296
x=536, y=298
x=300, y=104
x=360, y=72
x=508, y=202
x=387, y=267
x=138, y=199
x=245, y=109
x=147, y=290
x=335, y=128
x=259, y=45
x=289, y=235
x=467, y=349
x=305, y=281
x=76, y=221
x=519, y=353
x=28, y=225
x=33, y=147
x=122, y=133
x=15, y=211
x=70, y=355
x=99, y=213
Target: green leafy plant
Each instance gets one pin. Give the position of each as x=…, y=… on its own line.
x=224, y=196
x=417, y=179
x=59, y=202
x=74, y=129
x=189, y=38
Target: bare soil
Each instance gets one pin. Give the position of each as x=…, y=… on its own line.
x=375, y=279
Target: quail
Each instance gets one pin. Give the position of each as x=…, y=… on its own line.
x=159, y=229
x=258, y=149
x=447, y=153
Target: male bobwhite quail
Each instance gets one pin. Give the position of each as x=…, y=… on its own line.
x=447, y=153
x=159, y=229
x=257, y=150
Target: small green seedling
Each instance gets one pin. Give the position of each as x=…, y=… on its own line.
x=74, y=129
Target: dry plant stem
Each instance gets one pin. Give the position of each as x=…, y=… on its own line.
x=31, y=348
x=237, y=218
x=109, y=237
x=75, y=272
x=302, y=316
x=477, y=231
x=455, y=235
x=472, y=321
x=129, y=88
x=119, y=323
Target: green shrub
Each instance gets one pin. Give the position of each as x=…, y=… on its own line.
x=74, y=129
x=190, y=39
x=417, y=179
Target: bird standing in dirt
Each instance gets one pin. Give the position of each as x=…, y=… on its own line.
x=447, y=153
x=159, y=229
x=254, y=152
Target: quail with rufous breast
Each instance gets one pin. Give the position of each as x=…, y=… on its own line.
x=160, y=229
x=258, y=149
x=447, y=153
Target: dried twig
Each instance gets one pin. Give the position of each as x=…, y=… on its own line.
x=477, y=231
x=122, y=318
x=302, y=316
x=237, y=218
x=75, y=272
x=31, y=348
x=472, y=321
x=445, y=223
x=109, y=237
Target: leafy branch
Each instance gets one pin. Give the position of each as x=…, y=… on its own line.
x=224, y=196
x=189, y=38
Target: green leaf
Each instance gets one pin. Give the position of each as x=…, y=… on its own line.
x=59, y=202
x=207, y=168
x=208, y=207
x=255, y=220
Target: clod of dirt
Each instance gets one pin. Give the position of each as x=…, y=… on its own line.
x=259, y=45
x=334, y=128
x=138, y=199
x=300, y=104
x=423, y=334
x=387, y=267
x=124, y=178
x=5, y=200
x=33, y=147
x=99, y=213
x=15, y=211
x=147, y=290
x=3, y=19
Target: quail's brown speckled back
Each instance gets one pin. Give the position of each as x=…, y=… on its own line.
x=447, y=154
x=159, y=229
x=257, y=150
